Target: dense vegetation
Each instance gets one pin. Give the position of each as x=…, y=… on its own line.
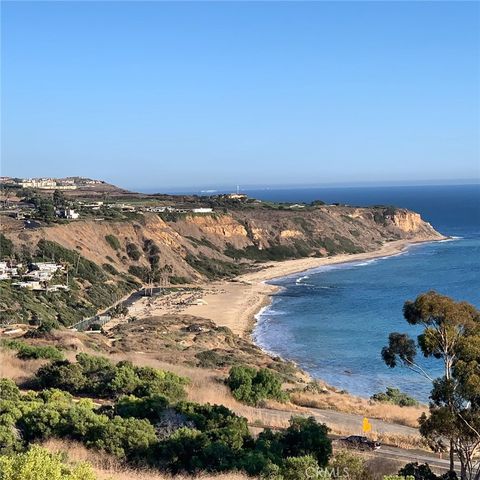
x=395, y=396
x=299, y=249
x=98, y=377
x=89, y=292
x=133, y=252
x=251, y=386
x=6, y=246
x=38, y=463
x=213, y=268
x=113, y=241
x=147, y=424
x=25, y=351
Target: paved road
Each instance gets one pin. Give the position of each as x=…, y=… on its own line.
x=338, y=421
x=408, y=456
x=353, y=423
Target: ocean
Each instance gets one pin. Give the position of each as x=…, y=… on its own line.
x=333, y=321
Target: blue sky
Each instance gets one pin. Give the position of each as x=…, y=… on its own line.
x=156, y=94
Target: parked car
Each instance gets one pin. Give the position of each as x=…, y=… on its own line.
x=360, y=443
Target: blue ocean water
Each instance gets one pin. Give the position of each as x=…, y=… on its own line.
x=334, y=321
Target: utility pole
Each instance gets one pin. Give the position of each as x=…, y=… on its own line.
x=78, y=262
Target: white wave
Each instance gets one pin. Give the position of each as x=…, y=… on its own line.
x=453, y=238
x=259, y=314
x=367, y=262
x=301, y=279
x=271, y=311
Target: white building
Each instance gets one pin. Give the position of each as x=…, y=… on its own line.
x=9, y=270
x=52, y=266
x=237, y=196
x=38, y=275
x=46, y=184
x=93, y=205
x=34, y=285
x=42, y=271
x=156, y=209
x=69, y=213
x=202, y=210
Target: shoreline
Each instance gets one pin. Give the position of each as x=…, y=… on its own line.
x=237, y=303
x=387, y=250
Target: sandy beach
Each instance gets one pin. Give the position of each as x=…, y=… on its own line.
x=235, y=303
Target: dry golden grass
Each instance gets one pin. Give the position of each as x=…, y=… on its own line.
x=110, y=468
x=340, y=402
x=375, y=465
x=379, y=467
x=15, y=369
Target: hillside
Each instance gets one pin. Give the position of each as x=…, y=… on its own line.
x=119, y=256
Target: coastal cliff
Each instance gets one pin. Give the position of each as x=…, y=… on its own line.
x=184, y=246
x=117, y=257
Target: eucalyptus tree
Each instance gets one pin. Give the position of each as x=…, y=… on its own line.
x=451, y=334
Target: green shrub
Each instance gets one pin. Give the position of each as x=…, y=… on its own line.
x=8, y=390
x=160, y=382
x=151, y=407
x=29, y=352
x=251, y=386
x=398, y=477
x=395, y=396
x=184, y=450
x=212, y=268
x=354, y=464
x=143, y=273
x=218, y=440
x=347, y=246
x=176, y=280
x=97, y=376
x=417, y=471
x=6, y=247
x=213, y=359
x=39, y=463
x=305, y=436
x=273, y=253
x=133, y=252
x=113, y=241
x=53, y=413
x=301, y=468
x=110, y=269
x=125, y=437
x=63, y=375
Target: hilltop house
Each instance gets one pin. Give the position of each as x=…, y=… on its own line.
x=9, y=269
x=202, y=210
x=69, y=213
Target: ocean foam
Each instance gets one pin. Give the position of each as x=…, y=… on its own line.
x=301, y=279
x=453, y=238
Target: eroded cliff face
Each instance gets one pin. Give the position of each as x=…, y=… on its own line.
x=410, y=222
x=195, y=247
